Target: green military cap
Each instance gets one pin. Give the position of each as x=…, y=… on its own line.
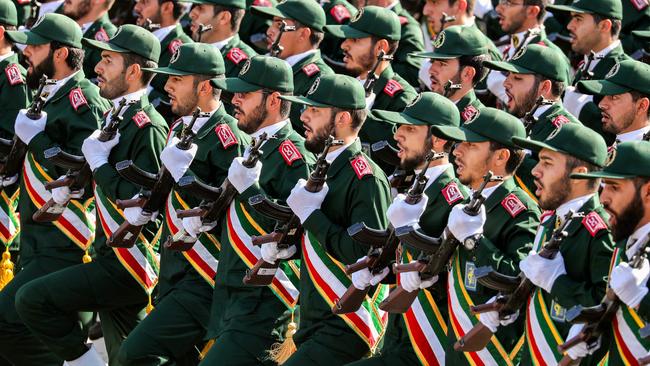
x=572, y=139
x=456, y=41
x=625, y=76
x=193, y=59
x=535, y=59
x=259, y=72
x=370, y=21
x=488, y=124
x=427, y=109
x=8, y=13
x=340, y=91
x=49, y=27
x=130, y=38
x=240, y=4
x=607, y=8
x=643, y=35
x=309, y=12
x=619, y=162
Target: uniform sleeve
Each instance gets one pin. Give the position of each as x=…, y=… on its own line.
x=12, y=100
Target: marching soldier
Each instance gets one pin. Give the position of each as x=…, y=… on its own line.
x=337, y=12
x=253, y=26
x=72, y=110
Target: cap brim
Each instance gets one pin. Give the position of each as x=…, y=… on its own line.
x=304, y=101
x=601, y=174
x=396, y=118
x=167, y=71
x=450, y=132
x=235, y=85
x=345, y=31
x=434, y=55
x=567, y=8
x=27, y=37
x=507, y=67
x=643, y=34
x=601, y=87
x=532, y=145
x=104, y=46
x=268, y=12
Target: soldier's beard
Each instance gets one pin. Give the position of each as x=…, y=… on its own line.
x=82, y=10
x=186, y=106
x=316, y=143
x=412, y=163
x=365, y=64
x=251, y=121
x=628, y=220
x=115, y=88
x=626, y=120
x=528, y=102
x=559, y=193
x=46, y=67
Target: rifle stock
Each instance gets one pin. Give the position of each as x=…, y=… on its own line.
x=494, y=280
x=479, y=334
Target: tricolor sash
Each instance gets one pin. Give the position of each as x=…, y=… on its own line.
x=9, y=221
x=77, y=221
x=204, y=254
x=140, y=260
x=240, y=228
x=329, y=278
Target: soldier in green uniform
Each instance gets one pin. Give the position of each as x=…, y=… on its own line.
x=245, y=321
x=503, y=230
x=337, y=12
x=110, y=283
x=180, y=319
x=300, y=48
x=417, y=135
x=23, y=9
x=253, y=26
x=595, y=26
x=73, y=109
x=93, y=19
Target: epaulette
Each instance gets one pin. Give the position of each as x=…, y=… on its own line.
x=23, y=2
x=173, y=45
x=265, y=3
x=101, y=35
x=393, y=87
x=289, y=152
x=141, y=119
x=513, y=205
x=468, y=113
x=13, y=75
x=361, y=166
x=77, y=98
x=403, y=20
x=311, y=69
x=640, y=5
x=560, y=120
x=340, y=13
x=236, y=55
x=594, y=223
x=226, y=136
x=452, y=193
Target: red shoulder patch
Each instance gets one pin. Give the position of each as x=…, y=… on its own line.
x=173, y=45
x=393, y=87
x=560, y=120
x=236, y=55
x=23, y=2
x=101, y=35
x=265, y=3
x=594, y=223
x=361, y=166
x=13, y=75
x=141, y=119
x=226, y=136
x=289, y=152
x=452, y=193
x=77, y=98
x=340, y=13
x=546, y=215
x=468, y=113
x=513, y=205
x=403, y=20
x=541, y=43
x=639, y=4
x=311, y=69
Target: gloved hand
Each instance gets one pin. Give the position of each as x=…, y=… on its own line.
x=195, y=226
x=411, y=281
x=271, y=253
x=177, y=161
x=401, y=213
x=241, y=177
x=303, y=203
x=8, y=181
x=26, y=128
x=63, y=195
x=542, y=272
x=363, y=279
x=462, y=225
x=135, y=216
x=95, y=151
x=491, y=318
x=581, y=349
x=629, y=283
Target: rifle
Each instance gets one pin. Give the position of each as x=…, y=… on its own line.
x=646, y=136
x=400, y=179
x=212, y=206
x=150, y=25
x=383, y=244
x=158, y=186
x=290, y=231
x=202, y=29
x=598, y=319
x=444, y=19
x=79, y=173
x=450, y=87
x=435, y=252
x=513, y=291
x=372, y=77
x=276, y=48
x=35, y=8
x=529, y=117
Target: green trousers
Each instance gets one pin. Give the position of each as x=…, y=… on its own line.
x=397, y=349
x=325, y=348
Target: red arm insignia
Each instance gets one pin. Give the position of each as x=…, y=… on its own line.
x=13, y=75
x=361, y=166
x=141, y=119
x=392, y=87
x=77, y=98
x=226, y=136
x=594, y=223
x=513, y=205
x=451, y=193
x=289, y=152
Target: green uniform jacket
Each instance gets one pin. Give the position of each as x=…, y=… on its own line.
x=337, y=12
x=495, y=55
x=305, y=73
x=253, y=27
x=101, y=30
x=633, y=19
x=234, y=53
x=506, y=240
x=587, y=257
x=411, y=41
x=14, y=96
x=66, y=128
x=168, y=45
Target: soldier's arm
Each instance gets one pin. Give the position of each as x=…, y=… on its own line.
x=12, y=100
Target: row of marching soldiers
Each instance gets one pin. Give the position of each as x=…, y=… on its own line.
x=296, y=216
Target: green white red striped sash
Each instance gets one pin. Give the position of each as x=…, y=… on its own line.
x=9, y=221
x=77, y=221
x=241, y=227
x=204, y=254
x=329, y=278
x=141, y=261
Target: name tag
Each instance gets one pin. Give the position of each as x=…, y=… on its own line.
x=470, y=276
x=558, y=313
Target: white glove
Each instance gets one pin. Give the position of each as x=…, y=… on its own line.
x=304, y=203
x=401, y=213
x=63, y=195
x=542, y=272
x=241, y=177
x=271, y=253
x=491, y=318
x=136, y=217
x=7, y=181
x=411, y=281
x=363, y=279
x=462, y=225
x=629, y=283
x=581, y=349
x=95, y=151
x=195, y=226
x=26, y=128
x=177, y=161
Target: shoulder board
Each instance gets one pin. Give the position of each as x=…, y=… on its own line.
x=340, y=13
x=141, y=119
x=546, y=215
x=403, y=20
x=594, y=223
x=393, y=87
x=311, y=69
x=266, y=3
x=361, y=166
x=236, y=55
x=452, y=193
x=542, y=43
x=513, y=205
x=173, y=45
x=289, y=152
x=468, y=113
x=77, y=98
x=226, y=136
x=23, y=2
x=101, y=35
x=639, y=5
x=13, y=75
x=560, y=120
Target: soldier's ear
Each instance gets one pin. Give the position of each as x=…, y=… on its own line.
x=133, y=72
x=381, y=44
x=2, y=32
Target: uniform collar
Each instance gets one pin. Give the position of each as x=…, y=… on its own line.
x=601, y=54
x=50, y=7
x=4, y=57
x=162, y=33
x=433, y=173
x=53, y=89
x=575, y=205
x=270, y=130
x=199, y=121
x=636, y=240
x=292, y=60
x=221, y=44
x=130, y=98
x=393, y=5
x=487, y=192
x=521, y=37
x=636, y=135
x=331, y=156
x=541, y=110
